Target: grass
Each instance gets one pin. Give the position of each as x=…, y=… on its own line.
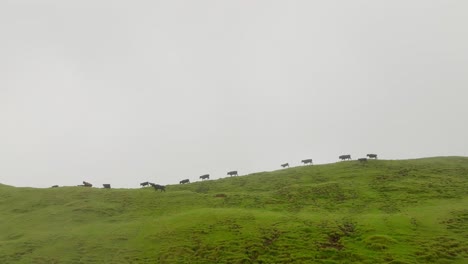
x=382, y=211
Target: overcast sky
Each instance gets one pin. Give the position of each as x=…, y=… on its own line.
x=123, y=92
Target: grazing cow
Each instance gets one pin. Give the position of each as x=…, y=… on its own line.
x=143, y=184
x=232, y=173
x=205, y=177
x=372, y=156
x=156, y=187
x=285, y=165
x=184, y=181
x=87, y=184
x=54, y=186
x=362, y=160
x=345, y=157
x=106, y=186
x=307, y=161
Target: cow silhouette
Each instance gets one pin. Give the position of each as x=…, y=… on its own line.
x=156, y=187
x=232, y=173
x=372, y=156
x=184, y=181
x=285, y=165
x=345, y=157
x=86, y=184
x=307, y=161
x=205, y=177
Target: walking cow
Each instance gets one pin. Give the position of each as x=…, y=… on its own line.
x=232, y=173
x=156, y=187
x=372, y=156
x=345, y=157
x=143, y=184
x=205, y=177
x=184, y=181
x=285, y=165
x=307, y=161
x=106, y=186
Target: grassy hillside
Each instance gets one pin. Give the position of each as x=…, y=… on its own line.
x=412, y=211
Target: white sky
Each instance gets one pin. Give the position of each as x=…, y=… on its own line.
x=123, y=92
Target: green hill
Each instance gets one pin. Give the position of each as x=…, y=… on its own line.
x=382, y=211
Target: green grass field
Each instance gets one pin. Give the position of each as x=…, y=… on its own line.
x=382, y=211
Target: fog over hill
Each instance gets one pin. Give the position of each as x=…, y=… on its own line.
x=123, y=92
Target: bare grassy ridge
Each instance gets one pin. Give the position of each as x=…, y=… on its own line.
x=406, y=211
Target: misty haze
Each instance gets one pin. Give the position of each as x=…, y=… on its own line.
x=118, y=92
x=250, y=131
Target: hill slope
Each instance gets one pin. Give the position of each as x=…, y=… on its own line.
x=411, y=211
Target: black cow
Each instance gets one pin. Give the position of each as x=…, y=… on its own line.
x=205, y=177
x=307, y=161
x=87, y=184
x=345, y=157
x=184, y=181
x=156, y=187
x=372, y=156
x=106, y=186
x=362, y=160
x=285, y=165
x=232, y=173
x=54, y=186
x=143, y=184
